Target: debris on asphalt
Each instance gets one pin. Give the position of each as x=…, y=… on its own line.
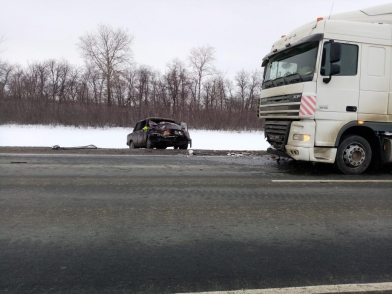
x=91, y=146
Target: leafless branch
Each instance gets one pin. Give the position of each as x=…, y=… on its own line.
x=110, y=50
x=201, y=61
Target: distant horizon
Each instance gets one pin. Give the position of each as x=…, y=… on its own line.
x=240, y=31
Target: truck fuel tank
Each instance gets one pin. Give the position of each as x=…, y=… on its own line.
x=386, y=150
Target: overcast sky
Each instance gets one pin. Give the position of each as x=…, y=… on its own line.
x=242, y=31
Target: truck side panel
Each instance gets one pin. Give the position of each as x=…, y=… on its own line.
x=375, y=83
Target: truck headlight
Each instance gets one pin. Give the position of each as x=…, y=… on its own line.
x=301, y=137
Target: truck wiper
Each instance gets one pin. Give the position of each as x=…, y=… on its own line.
x=268, y=82
x=273, y=81
x=293, y=74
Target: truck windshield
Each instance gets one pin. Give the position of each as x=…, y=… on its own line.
x=291, y=66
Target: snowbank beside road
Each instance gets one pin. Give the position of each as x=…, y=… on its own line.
x=225, y=140
x=47, y=136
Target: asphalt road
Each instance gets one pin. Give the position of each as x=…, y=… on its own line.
x=164, y=224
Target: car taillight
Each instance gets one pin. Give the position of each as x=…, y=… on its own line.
x=166, y=133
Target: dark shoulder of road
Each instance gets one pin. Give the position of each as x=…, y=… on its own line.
x=124, y=151
x=74, y=223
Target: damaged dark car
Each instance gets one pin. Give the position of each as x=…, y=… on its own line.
x=160, y=133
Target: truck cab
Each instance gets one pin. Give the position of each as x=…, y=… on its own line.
x=327, y=91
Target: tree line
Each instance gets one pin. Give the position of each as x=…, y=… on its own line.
x=111, y=90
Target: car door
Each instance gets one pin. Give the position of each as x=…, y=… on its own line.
x=135, y=134
x=141, y=137
x=143, y=134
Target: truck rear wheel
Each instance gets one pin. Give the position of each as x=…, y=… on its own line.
x=131, y=145
x=354, y=155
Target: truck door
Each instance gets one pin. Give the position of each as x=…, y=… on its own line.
x=374, y=86
x=338, y=100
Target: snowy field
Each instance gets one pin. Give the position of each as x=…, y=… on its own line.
x=47, y=136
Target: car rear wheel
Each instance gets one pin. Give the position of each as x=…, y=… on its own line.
x=149, y=144
x=175, y=147
x=162, y=147
x=354, y=155
x=184, y=146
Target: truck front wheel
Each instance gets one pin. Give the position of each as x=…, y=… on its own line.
x=354, y=155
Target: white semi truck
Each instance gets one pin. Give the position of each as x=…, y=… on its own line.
x=327, y=91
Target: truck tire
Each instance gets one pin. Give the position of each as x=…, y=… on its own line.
x=354, y=155
x=184, y=146
x=131, y=145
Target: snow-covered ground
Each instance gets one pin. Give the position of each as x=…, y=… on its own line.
x=42, y=136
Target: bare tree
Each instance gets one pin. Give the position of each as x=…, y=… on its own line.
x=110, y=50
x=201, y=61
x=1, y=41
x=54, y=91
x=143, y=76
x=5, y=73
x=242, y=82
x=177, y=84
x=254, y=86
x=248, y=88
x=58, y=76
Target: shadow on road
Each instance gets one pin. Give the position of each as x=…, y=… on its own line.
x=316, y=168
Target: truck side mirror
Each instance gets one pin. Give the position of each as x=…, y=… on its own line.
x=335, y=52
x=335, y=69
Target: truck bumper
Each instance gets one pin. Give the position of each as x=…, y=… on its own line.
x=277, y=152
x=315, y=154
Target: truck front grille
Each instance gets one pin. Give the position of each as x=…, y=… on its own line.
x=277, y=132
x=280, y=106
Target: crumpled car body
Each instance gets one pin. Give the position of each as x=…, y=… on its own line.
x=160, y=133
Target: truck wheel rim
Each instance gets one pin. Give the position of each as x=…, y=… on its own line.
x=354, y=155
